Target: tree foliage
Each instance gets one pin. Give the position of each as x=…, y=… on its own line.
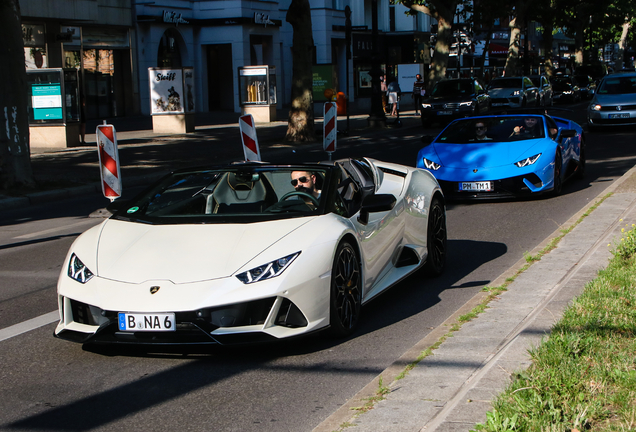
x=15, y=162
x=300, y=126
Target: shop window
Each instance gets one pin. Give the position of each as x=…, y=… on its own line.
x=169, y=55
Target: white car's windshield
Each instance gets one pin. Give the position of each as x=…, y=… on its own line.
x=243, y=192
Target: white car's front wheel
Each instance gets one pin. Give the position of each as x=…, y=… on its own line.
x=346, y=291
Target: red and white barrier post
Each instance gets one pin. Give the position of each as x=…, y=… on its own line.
x=249, y=139
x=330, y=128
x=109, y=161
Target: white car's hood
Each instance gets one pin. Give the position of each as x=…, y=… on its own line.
x=135, y=252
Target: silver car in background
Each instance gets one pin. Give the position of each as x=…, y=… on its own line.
x=513, y=92
x=614, y=102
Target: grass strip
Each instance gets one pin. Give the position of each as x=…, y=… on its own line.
x=583, y=376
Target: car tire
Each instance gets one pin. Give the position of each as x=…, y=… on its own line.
x=346, y=291
x=436, y=239
x=580, y=169
x=557, y=180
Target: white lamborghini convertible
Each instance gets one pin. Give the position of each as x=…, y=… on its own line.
x=237, y=254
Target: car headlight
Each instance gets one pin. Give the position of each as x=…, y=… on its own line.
x=516, y=93
x=427, y=105
x=568, y=92
x=78, y=271
x=528, y=161
x=466, y=104
x=267, y=271
x=428, y=164
x=595, y=107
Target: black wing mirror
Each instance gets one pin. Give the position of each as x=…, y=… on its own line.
x=117, y=205
x=375, y=204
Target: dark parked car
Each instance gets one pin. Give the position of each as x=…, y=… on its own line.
x=586, y=84
x=513, y=92
x=597, y=71
x=565, y=90
x=545, y=89
x=454, y=98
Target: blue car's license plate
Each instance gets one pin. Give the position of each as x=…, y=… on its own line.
x=485, y=186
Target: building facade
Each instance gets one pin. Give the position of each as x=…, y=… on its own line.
x=114, y=43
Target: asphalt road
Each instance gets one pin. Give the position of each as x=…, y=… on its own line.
x=51, y=384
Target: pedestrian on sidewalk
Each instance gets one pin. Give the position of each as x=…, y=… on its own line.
x=418, y=92
x=394, y=95
x=384, y=90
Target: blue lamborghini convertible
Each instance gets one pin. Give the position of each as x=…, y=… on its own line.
x=505, y=156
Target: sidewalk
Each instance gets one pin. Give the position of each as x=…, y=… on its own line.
x=451, y=389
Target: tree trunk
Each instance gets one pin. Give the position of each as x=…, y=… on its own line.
x=300, y=126
x=547, y=49
x=15, y=158
x=619, y=62
x=439, y=64
x=513, y=48
x=445, y=10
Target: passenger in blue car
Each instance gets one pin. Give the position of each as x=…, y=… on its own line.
x=532, y=128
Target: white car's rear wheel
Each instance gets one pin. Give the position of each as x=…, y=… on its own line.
x=346, y=291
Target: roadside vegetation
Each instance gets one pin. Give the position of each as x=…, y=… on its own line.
x=583, y=376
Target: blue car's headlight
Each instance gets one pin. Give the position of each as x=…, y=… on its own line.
x=595, y=107
x=430, y=164
x=78, y=271
x=267, y=271
x=466, y=104
x=528, y=161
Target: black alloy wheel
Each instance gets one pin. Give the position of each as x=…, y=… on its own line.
x=436, y=239
x=346, y=291
x=558, y=181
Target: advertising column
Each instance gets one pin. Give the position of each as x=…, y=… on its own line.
x=172, y=99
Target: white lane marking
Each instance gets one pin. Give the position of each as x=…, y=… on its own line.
x=56, y=229
x=28, y=325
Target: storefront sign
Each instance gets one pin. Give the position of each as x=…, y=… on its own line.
x=46, y=101
x=174, y=18
x=33, y=35
x=260, y=18
x=166, y=91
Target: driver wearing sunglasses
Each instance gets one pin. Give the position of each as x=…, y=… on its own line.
x=304, y=181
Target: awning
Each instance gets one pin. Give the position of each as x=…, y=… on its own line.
x=497, y=49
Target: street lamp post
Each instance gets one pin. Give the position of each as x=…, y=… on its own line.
x=377, y=118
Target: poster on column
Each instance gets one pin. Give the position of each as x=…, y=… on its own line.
x=188, y=89
x=166, y=91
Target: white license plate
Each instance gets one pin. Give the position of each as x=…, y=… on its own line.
x=444, y=112
x=486, y=186
x=622, y=115
x=146, y=322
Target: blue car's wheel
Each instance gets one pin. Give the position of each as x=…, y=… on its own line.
x=558, y=179
x=346, y=291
